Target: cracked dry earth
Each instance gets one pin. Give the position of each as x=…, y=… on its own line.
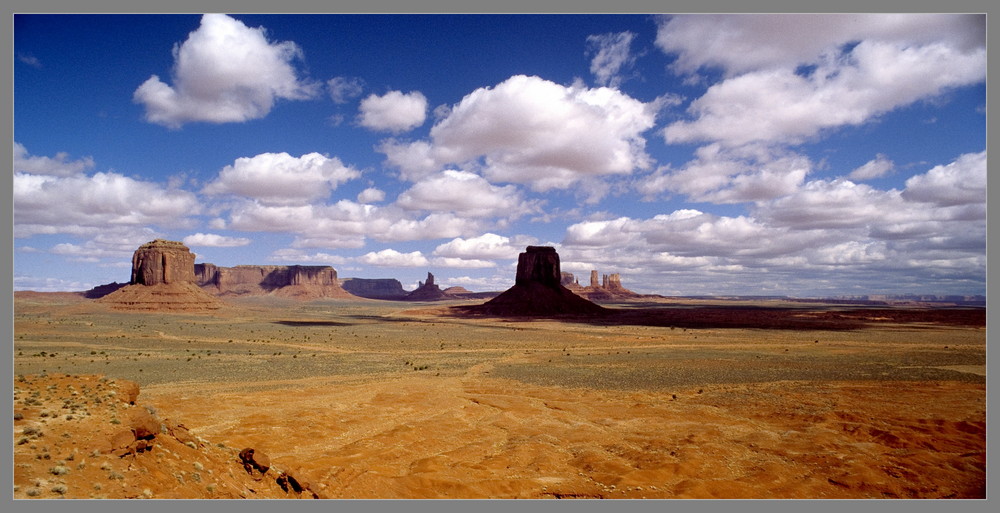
x=458, y=425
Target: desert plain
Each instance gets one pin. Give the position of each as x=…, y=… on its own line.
x=367, y=399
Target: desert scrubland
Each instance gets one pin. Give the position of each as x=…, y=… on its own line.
x=378, y=399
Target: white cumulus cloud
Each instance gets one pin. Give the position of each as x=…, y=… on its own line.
x=776, y=92
x=394, y=111
x=344, y=224
x=224, y=72
x=281, y=179
x=82, y=204
x=302, y=257
x=465, y=193
x=875, y=168
x=371, y=195
x=437, y=225
x=730, y=175
x=484, y=247
x=532, y=131
x=462, y=263
x=343, y=89
x=58, y=165
x=393, y=258
x=960, y=182
x=742, y=43
x=214, y=240
x=611, y=56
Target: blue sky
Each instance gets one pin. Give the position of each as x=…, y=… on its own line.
x=803, y=155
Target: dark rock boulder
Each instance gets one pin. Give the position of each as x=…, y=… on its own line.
x=255, y=462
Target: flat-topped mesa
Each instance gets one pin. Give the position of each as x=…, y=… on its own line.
x=539, y=264
x=374, y=288
x=162, y=261
x=163, y=279
x=298, y=281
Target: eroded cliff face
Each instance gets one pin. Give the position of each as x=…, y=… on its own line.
x=280, y=280
x=162, y=261
x=374, y=288
x=162, y=280
x=608, y=288
x=539, y=264
x=427, y=291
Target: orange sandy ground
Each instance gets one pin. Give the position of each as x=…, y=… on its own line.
x=476, y=437
x=473, y=435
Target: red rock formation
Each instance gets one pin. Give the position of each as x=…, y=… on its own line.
x=162, y=261
x=162, y=279
x=255, y=462
x=428, y=291
x=538, y=290
x=569, y=281
x=538, y=264
x=609, y=289
x=297, y=281
x=379, y=288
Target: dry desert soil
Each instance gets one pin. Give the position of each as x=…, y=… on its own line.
x=368, y=399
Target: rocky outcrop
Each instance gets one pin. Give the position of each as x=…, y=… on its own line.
x=569, y=281
x=162, y=280
x=180, y=297
x=537, y=291
x=295, y=281
x=255, y=463
x=162, y=261
x=380, y=288
x=539, y=264
x=608, y=288
x=106, y=445
x=143, y=426
x=427, y=291
x=103, y=290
